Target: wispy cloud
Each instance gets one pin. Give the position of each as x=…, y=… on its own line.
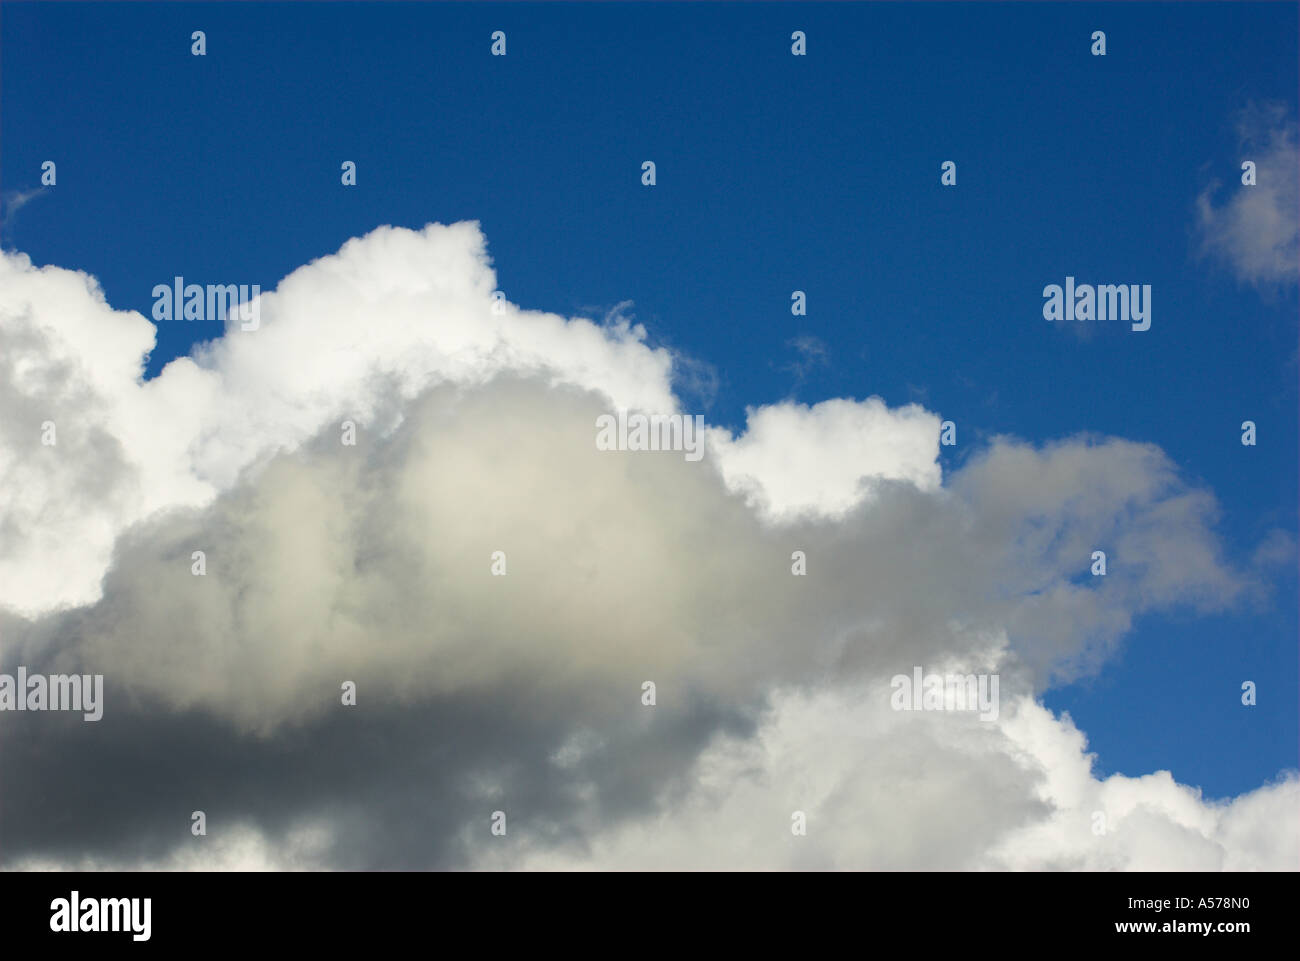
x=811, y=352
x=14, y=201
x=1255, y=231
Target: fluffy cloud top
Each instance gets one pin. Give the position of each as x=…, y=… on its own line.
x=356, y=335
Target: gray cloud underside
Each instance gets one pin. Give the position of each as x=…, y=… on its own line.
x=522, y=693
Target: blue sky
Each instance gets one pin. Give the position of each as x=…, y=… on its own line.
x=775, y=173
